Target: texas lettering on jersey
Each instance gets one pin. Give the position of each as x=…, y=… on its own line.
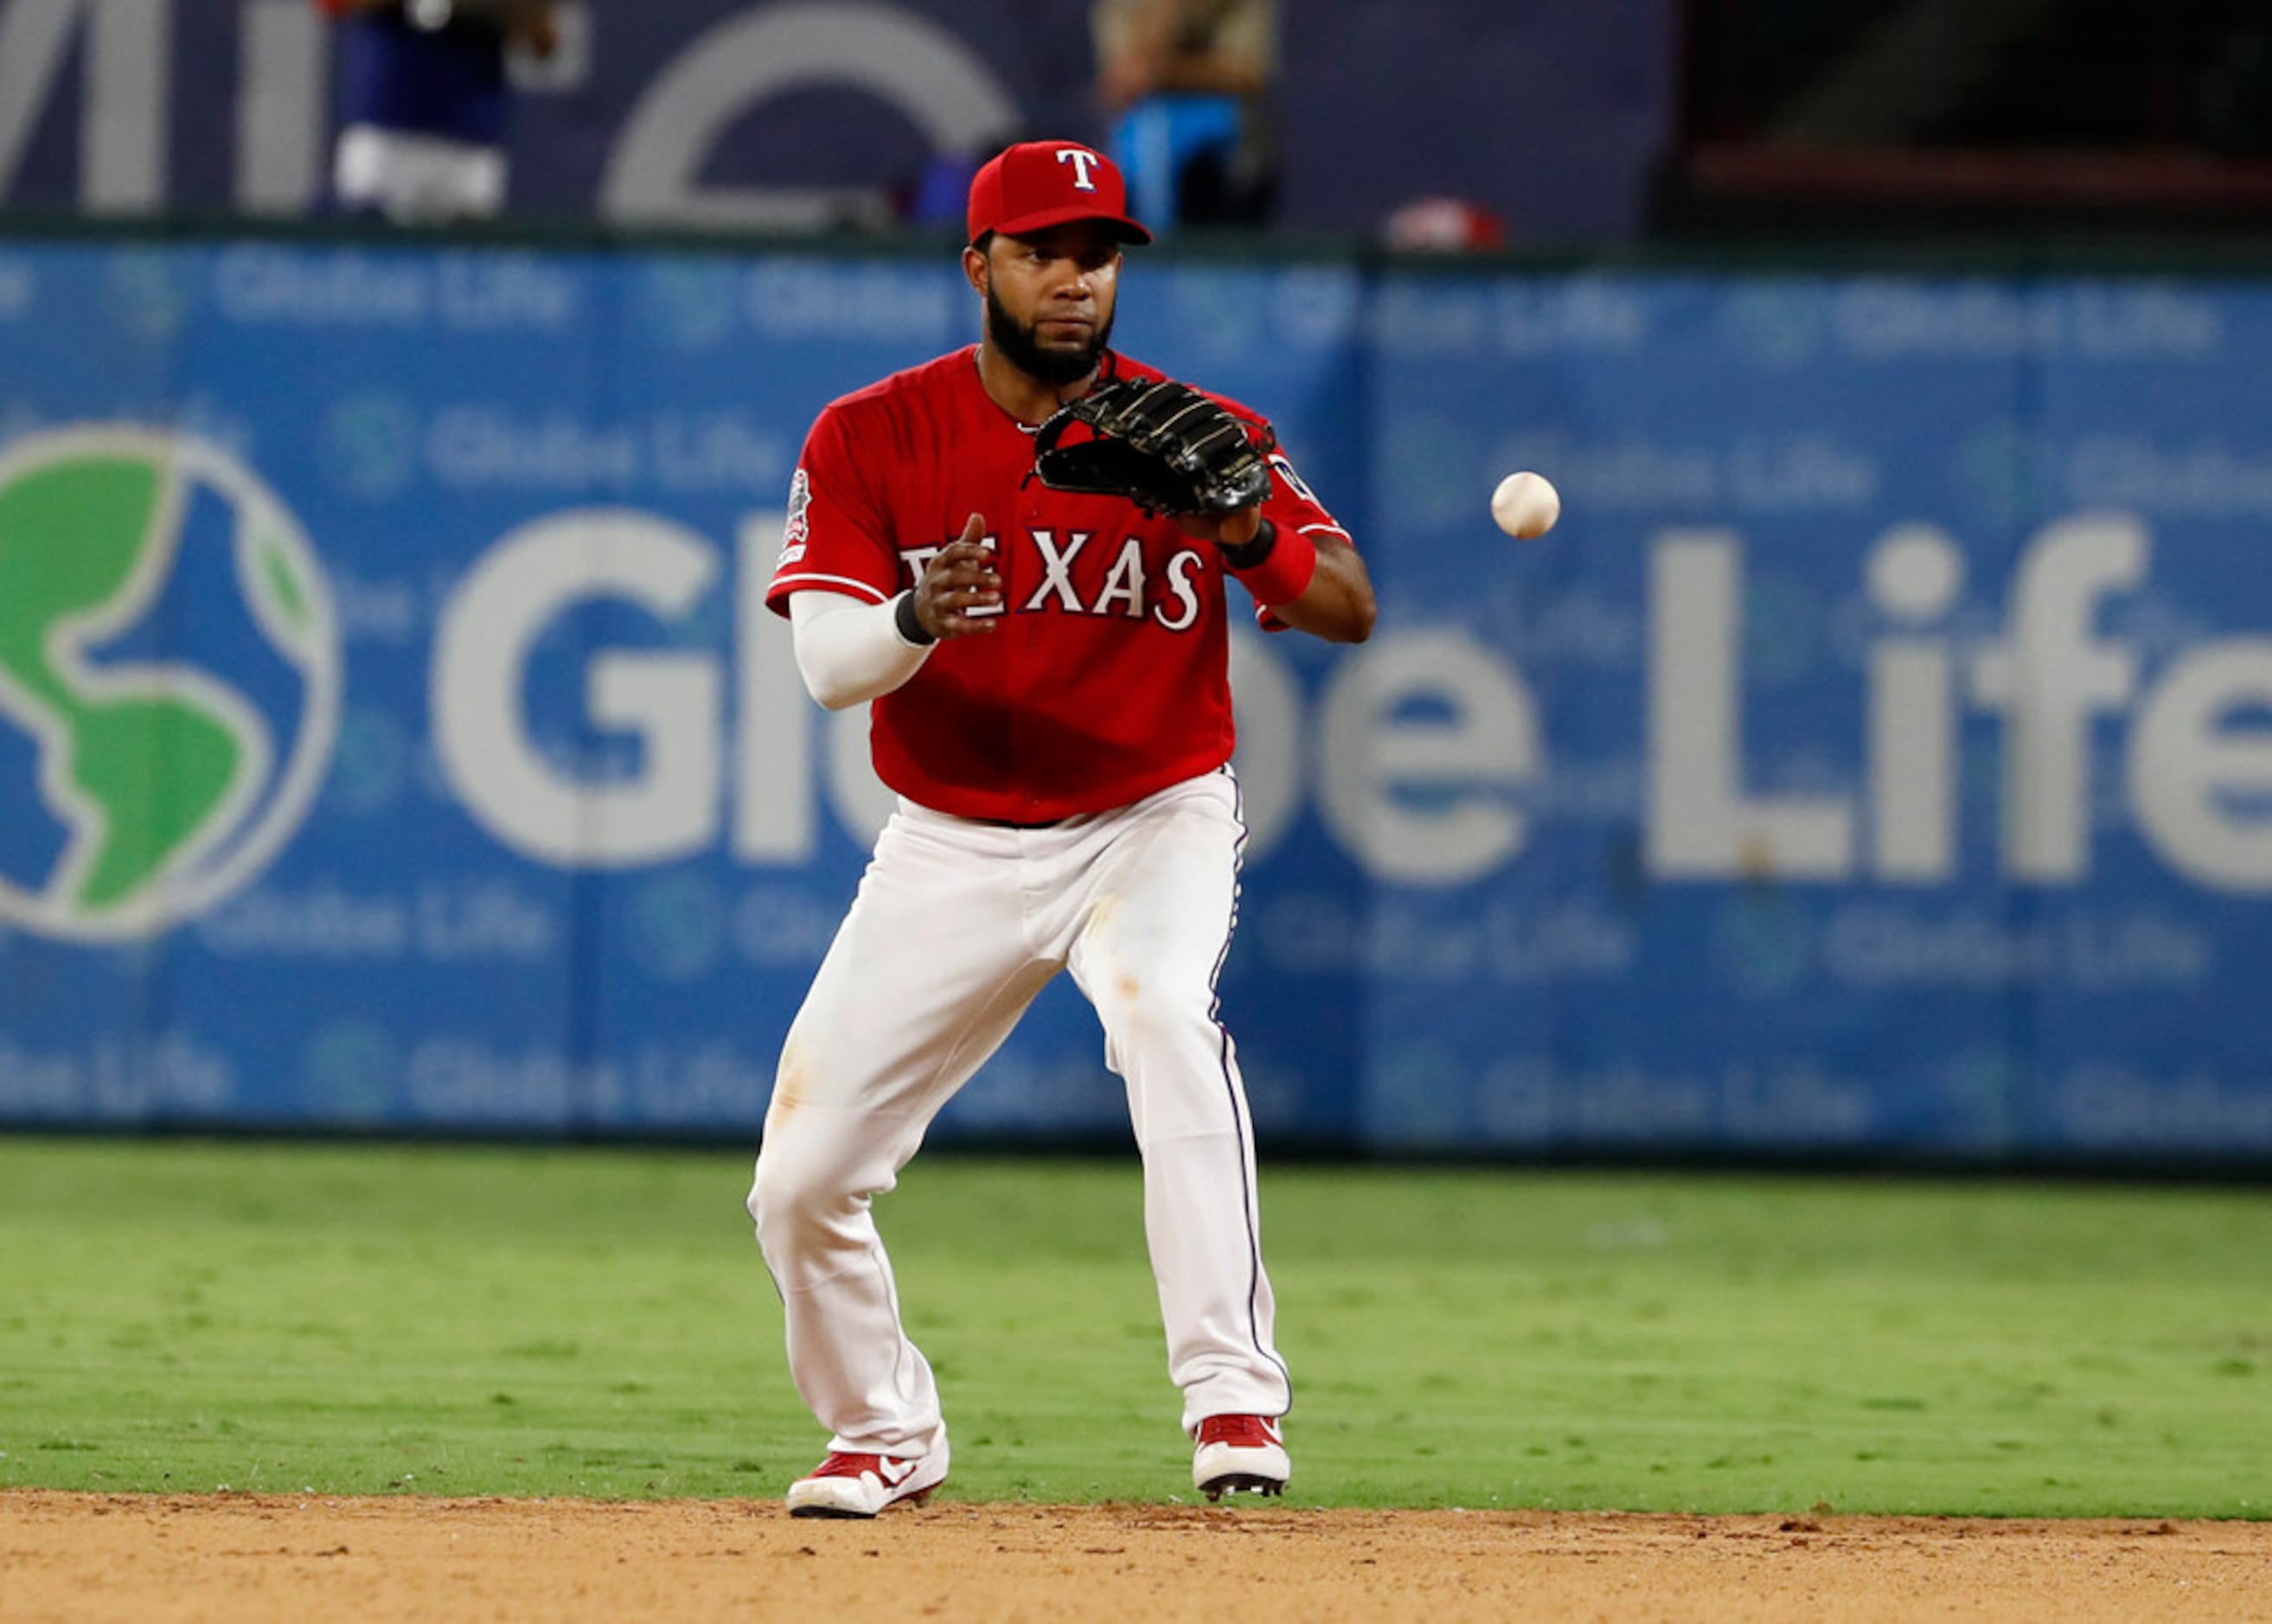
x=1070, y=574
x=1107, y=675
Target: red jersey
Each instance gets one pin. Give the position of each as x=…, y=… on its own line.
x=1110, y=675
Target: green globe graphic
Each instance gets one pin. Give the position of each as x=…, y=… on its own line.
x=169, y=680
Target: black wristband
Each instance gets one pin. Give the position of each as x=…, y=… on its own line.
x=1252, y=553
x=910, y=626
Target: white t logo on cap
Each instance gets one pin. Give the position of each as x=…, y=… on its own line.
x=1082, y=160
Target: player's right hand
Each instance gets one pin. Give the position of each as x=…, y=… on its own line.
x=960, y=591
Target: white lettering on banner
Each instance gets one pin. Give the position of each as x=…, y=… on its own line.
x=1896, y=319
x=1480, y=737
x=322, y=921
x=1579, y=315
x=2187, y=768
x=486, y=920
x=1624, y=1102
x=775, y=819
x=1915, y=576
x=1803, y=472
x=1792, y=1102
x=669, y=701
x=1310, y=933
x=2107, y=1103
x=1426, y=745
x=2162, y=320
x=1796, y=1102
x=800, y=299
x=1421, y=739
x=715, y=1080
x=1809, y=472
x=377, y=611
x=1638, y=475
x=2202, y=481
x=466, y=1079
x=2196, y=774
x=499, y=293
x=1699, y=819
x=41, y=1082
x=1879, y=319
x=1266, y=705
x=698, y=452
x=169, y=1069
x=260, y=285
x=2048, y=680
x=478, y=447
x=1873, y=945
x=117, y=1077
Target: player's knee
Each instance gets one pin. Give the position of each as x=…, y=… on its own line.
x=798, y=1199
x=782, y=1189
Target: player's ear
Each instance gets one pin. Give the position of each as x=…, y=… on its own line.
x=975, y=270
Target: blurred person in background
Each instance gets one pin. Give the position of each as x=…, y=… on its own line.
x=1184, y=86
x=424, y=104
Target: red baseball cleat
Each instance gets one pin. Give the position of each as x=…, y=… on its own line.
x=863, y=1485
x=1239, y=1452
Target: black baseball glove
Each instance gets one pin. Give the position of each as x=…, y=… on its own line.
x=1163, y=445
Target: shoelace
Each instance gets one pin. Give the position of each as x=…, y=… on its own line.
x=843, y=1465
x=1239, y=1431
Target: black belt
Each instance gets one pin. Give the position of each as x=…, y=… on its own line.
x=1008, y=822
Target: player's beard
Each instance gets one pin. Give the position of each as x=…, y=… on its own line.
x=1016, y=343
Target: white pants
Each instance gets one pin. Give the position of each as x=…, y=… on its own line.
x=956, y=926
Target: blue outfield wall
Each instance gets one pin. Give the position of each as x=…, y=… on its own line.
x=1876, y=761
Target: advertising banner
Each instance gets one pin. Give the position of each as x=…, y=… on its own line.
x=1874, y=761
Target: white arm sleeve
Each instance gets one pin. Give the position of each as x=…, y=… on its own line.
x=848, y=651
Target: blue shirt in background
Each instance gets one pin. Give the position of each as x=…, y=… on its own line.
x=448, y=81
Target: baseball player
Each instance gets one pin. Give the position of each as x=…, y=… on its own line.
x=1051, y=705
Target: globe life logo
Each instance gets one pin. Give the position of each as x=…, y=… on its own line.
x=170, y=678
x=1423, y=748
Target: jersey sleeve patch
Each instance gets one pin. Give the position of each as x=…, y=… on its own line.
x=1293, y=479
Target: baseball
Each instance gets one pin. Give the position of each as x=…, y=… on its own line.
x=1526, y=505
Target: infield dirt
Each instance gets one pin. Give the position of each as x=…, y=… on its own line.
x=82, y=1557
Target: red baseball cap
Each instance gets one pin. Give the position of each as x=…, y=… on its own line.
x=1038, y=184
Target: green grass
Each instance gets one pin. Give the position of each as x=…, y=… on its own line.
x=181, y=1316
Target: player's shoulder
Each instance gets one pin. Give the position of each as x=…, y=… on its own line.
x=926, y=388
